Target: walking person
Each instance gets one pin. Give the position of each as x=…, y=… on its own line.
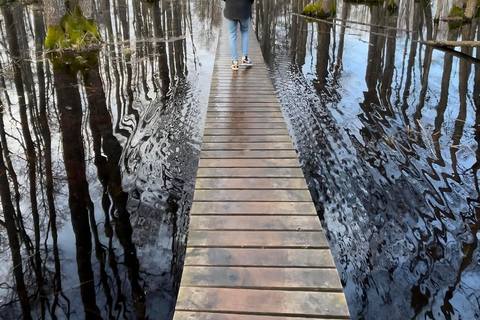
x=238, y=12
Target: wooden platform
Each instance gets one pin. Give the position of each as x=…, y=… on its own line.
x=256, y=250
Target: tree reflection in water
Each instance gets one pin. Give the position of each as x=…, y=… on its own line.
x=387, y=134
x=99, y=153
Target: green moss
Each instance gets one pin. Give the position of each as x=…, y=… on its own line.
x=72, y=63
x=365, y=1
x=392, y=6
x=456, y=12
x=316, y=10
x=74, y=32
x=312, y=9
x=454, y=25
x=55, y=38
x=333, y=8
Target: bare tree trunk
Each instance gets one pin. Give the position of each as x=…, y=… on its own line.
x=54, y=11
x=14, y=244
x=326, y=6
x=439, y=9
x=470, y=9
x=69, y=105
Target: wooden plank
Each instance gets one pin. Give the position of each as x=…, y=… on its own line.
x=272, y=223
x=244, y=132
x=252, y=138
x=188, y=315
x=249, y=173
x=250, y=104
x=245, y=125
x=253, y=183
x=243, y=99
x=271, y=302
x=247, y=163
x=245, y=114
x=252, y=195
x=263, y=278
x=247, y=146
x=234, y=208
x=312, y=258
x=250, y=154
x=262, y=239
x=249, y=120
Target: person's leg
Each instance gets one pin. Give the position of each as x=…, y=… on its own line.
x=232, y=38
x=244, y=24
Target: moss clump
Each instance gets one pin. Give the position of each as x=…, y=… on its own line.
x=75, y=32
x=71, y=63
x=312, y=10
x=316, y=10
x=392, y=6
x=456, y=12
x=366, y=1
x=55, y=38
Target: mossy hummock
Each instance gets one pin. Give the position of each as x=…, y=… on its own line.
x=316, y=10
x=74, y=32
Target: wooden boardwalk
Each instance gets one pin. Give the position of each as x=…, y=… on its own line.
x=256, y=250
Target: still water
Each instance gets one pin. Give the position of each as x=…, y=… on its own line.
x=99, y=158
x=387, y=134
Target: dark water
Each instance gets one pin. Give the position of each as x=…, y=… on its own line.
x=387, y=134
x=99, y=158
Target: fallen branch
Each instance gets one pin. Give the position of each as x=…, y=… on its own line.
x=448, y=49
x=453, y=43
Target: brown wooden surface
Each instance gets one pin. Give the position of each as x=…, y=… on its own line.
x=256, y=249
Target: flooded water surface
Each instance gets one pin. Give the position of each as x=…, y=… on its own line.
x=387, y=133
x=99, y=158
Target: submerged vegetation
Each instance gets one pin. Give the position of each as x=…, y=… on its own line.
x=75, y=32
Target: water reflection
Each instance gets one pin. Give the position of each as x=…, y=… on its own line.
x=386, y=129
x=99, y=153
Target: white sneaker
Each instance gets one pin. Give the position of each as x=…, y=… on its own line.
x=246, y=62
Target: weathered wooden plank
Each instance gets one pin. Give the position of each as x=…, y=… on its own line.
x=252, y=138
x=188, y=315
x=263, y=239
x=249, y=120
x=245, y=125
x=254, y=208
x=272, y=223
x=263, y=278
x=271, y=302
x=244, y=132
x=249, y=172
x=318, y=258
x=247, y=146
x=245, y=114
x=243, y=99
x=249, y=104
x=252, y=183
x=247, y=163
x=252, y=195
x=249, y=154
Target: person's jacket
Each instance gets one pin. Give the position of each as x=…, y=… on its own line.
x=238, y=9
